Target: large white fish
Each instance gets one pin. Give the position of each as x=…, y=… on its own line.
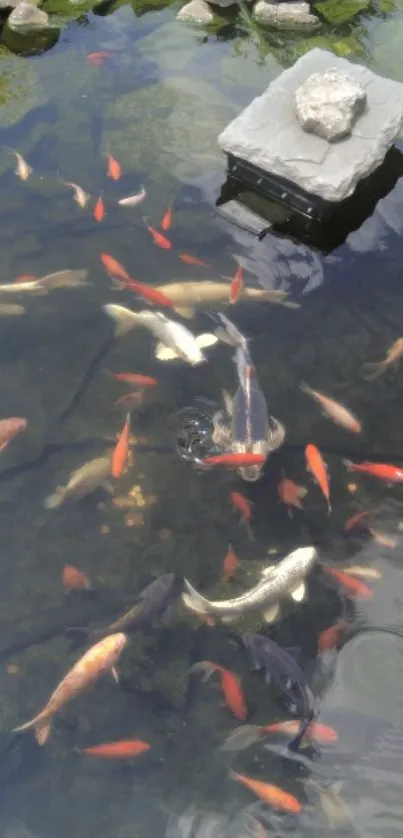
x=174, y=339
x=82, y=482
x=282, y=580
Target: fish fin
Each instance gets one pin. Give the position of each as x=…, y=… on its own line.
x=298, y=593
x=205, y=667
x=271, y=614
x=374, y=370
x=115, y=674
x=336, y=787
x=347, y=463
x=206, y=339
x=306, y=388
x=185, y=311
x=194, y=600
x=107, y=485
x=228, y=402
x=124, y=318
x=41, y=725
x=302, y=491
x=54, y=500
x=268, y=571
x=165, y=353
x=241, y=738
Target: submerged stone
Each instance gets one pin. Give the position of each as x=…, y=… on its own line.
x=197, y=11
x=27, y=17
x=268, y=135
x=327, y=104
x=284, y=15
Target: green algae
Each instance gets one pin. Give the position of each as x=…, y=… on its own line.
x=338, y=12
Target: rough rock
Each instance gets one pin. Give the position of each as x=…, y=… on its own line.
x=284, y=15
x=197, y=11
x=26, y=17
x=268, y=134
x=328, y=104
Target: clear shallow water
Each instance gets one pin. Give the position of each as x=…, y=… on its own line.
x=158, y=106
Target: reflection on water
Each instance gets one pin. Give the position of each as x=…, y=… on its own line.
x=157, y=104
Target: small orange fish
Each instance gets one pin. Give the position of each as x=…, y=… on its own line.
x=290, y=494
x=125, y=749
x=237, y=285
x=98, y=58
x=354, y=587
x=114, y=268
x=383, y=538
x=159, y=239
x=74, y=579
x=166, y=222
x=121, y=452
x=270, y=794
x=340, y=415
x=234, y=460
x=317, y=466
x=113, y=170
x=193, y=260
x=97, y=661
x=230, y=564
x=355, y=520
x=383, y=471
x=316, y=731
x=152, y=295
x=230, y=687
x=25, y=278
x=330, y=637
x=10, y=428
x=99, y=209
x=130, y=401
x=244, y=506
x=135, y=379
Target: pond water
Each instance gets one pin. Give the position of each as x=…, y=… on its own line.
x=157, y=104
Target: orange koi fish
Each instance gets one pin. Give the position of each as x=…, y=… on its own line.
x=135, y=379
x=98, y=58
x=317, y=466
x=97, y=661
x=113, y=268
x=383, y=471
x=99, y=209
x=355, y=520
x=159, y=239
x=74, y=579
x=130, y=401
x=121, y=452
x=234, y=460
x=237, y=285
x=152, y=295
x=113, y=170
x=270, y=794
x=244, y=506
x=230, y=687
x=383, y=538
x=247, y=735
x=166, y=222
x=355, y=588
x=330, y=637
x=25, y=278
x=340, y=415
x=126, y=749
x=193, y=260
x=230, y=564
x=10, y=428
x=290, y=494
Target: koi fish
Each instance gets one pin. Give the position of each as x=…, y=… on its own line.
x=121, y=452
x=80, y=196
x=290, y=494
x=99, y=209
x=245, y=736
x=25, y=278
x=383, y=538
x=354, y=587
x=393, y=356
x=189, y=295
x=82, y=482
x=125, y=749
x=242, y=505
x=317, y=466
x=234, y=460
x=230, y=687
x=135, y=379
x=97, y=661
x=364, y=572
x=67, y=278
x=159, y=239
x=74, y=579
x=152, y=295
x=133, y=200
x=23, y=169
x=268, y=793
x=237, y=285
x=11, y=310
x=355, y=520
x=166, y=222
x=98, y=58
x=383, y=471
x=230, y=564
x=193, y=260
x=335, y=808
x=113, y=169
x=10, y=428
x=130, y=401
x=330, y=637
x=113, y=268
x=340, y=415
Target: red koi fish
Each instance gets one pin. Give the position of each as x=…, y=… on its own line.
x=121, y=452
x=152, y=295
x=166, y=222
x=113, y=169
x=354, y=587
x=245, y=736
x=74, y=579
x=135, y=379
x=113, y=268
x=383, y=471
x=237, y=285
x=230, y=687
x=244, y=506
x=355, y=520
x=330, y=637
x=159, y=239
x=98, y=58
x=317, y=466
x=126, y=749
x=193, y=260
x=10, y=428
x=234, y=460
x=290, y=493
x=99, y=209
x=230, y=564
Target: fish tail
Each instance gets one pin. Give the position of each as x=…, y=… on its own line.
x=194, y=600
x=54, y=500
x=374, y=370
x=241, y=738
x=229, y=333
x=348, y=463
x=306, y=388
x=205, y=667
x=42, y=727
x=124, y=318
